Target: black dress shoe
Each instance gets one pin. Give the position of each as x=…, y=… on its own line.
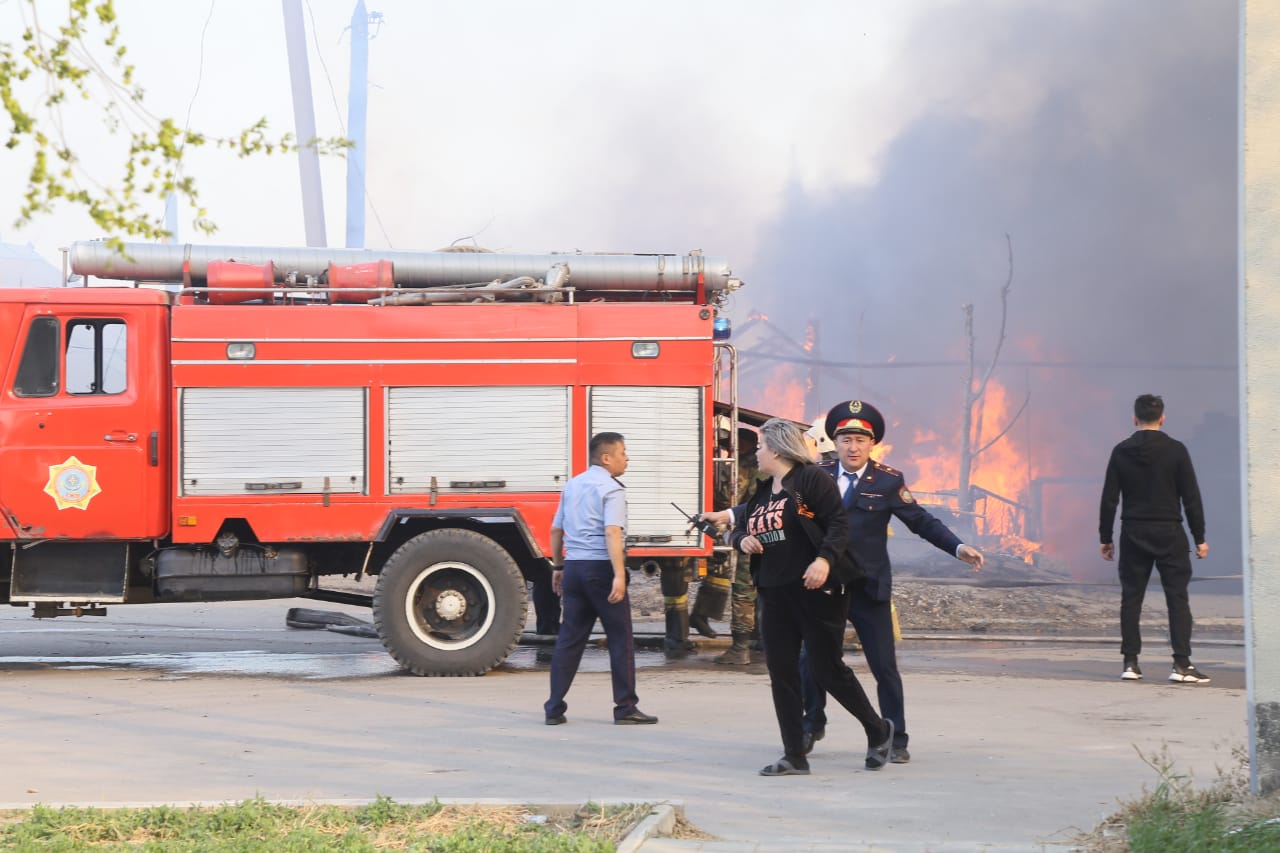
x=899, y=755
x=635, y=718
x=557, y=720
x=810, y=738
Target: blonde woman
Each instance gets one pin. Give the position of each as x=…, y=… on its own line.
x=797, y=525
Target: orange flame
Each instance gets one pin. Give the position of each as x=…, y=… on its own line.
x=782, y=394
x=1000, y=475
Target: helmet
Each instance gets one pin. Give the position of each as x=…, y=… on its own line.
x=818, y=432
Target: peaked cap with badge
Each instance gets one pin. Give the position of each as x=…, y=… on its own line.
x=855, y=416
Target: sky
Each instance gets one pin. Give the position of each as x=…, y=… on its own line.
x=528, y=127
x=864, y=166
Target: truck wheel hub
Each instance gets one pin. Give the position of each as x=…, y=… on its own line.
x=451, y=605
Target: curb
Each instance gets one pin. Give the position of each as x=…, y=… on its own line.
x=659, y=822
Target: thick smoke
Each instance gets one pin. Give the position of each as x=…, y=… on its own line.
x=1102, y=138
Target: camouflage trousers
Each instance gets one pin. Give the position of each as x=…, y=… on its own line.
x=740, y=589
x=742, y=618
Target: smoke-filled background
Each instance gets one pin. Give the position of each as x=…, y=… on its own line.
x=859, y=163
x=1101, y=138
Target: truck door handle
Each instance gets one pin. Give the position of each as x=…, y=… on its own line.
x=120, y=436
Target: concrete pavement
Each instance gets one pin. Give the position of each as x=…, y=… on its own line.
x=1014, y=745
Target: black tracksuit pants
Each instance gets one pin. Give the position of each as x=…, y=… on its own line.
x=1162, y=544
x=792, y=616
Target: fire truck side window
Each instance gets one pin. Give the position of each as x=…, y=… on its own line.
x=96, y=356
x=38, y=370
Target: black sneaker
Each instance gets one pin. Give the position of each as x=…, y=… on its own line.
x=1188, y=675
x=1131, y=671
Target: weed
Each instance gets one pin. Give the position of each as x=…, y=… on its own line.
x=1177, y=817
x=258, y=826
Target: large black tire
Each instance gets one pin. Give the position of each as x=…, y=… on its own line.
x=449, y=602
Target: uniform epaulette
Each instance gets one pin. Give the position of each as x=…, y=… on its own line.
x=880, y=466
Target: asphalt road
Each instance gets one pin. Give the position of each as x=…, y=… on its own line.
x=1013, y=743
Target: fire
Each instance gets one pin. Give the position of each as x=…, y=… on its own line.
x=781, y=394
x=999, y=479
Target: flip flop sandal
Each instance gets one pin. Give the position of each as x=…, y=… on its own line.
x=783, y=767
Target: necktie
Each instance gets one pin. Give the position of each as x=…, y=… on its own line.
x=851, y=490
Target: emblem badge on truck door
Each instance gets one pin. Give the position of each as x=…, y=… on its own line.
x=72, y=484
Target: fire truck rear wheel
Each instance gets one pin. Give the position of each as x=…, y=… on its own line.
x=449, y=602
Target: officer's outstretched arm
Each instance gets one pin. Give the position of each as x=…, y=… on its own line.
x=971, y=555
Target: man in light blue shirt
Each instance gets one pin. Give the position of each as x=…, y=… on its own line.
x=589, y=573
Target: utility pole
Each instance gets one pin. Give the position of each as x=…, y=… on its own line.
x=357, y=118
x=304, y=121
x=1259, y=326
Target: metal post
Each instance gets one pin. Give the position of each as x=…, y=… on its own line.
x=304, y=121
x=1259, y=325
x=357, y=115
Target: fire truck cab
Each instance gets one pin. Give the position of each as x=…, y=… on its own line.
x=261, y=429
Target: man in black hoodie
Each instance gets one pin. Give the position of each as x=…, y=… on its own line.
x=1152, y=474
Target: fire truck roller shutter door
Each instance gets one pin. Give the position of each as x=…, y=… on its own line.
x=433, y=432
x=663, y=426
x=449, y=602
x=242, y=440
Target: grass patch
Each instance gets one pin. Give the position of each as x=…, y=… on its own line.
x=1177, y=817
x=257, y=826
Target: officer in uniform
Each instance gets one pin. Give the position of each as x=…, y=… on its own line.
x=873, y=494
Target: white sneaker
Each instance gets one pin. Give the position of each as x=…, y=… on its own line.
x=1188, y=675
x=1131, y=672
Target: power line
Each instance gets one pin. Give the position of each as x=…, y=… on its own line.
x=1049, y=365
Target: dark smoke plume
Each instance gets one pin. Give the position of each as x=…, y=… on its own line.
x=1101, y=136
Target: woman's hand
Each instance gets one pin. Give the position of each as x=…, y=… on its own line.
x=750, y=545
x=720, y=519
x=816, y=575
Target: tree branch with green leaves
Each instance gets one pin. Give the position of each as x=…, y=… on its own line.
x=54, y=67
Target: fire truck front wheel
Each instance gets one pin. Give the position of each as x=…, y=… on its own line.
x=449, y=602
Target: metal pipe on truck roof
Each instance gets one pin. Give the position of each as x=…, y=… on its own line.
x=163, y=262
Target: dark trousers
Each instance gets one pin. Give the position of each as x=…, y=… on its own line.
x=546, y=606
x=793, y=616
x=873, y=621
x=1164, y=545
x=585, y=593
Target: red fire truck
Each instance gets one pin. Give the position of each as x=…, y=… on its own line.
x=276, y=417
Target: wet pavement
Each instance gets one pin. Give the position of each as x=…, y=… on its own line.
x=1016, y=742
x=251, y=639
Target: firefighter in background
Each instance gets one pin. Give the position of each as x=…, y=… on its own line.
x=718, y=584
x=820, y=446
x=675, y=574
x=742, y=620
